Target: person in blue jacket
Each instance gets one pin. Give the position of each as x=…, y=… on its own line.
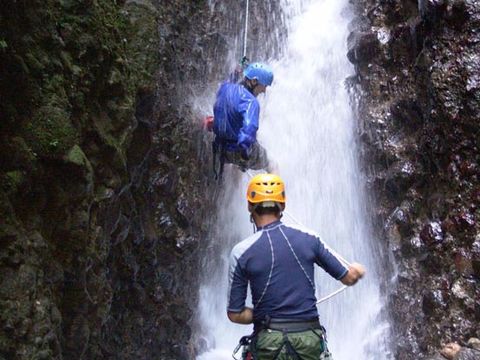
x=236, y=114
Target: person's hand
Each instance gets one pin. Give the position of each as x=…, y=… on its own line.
x=359, y=269
x=355, y=272
x=244, y=62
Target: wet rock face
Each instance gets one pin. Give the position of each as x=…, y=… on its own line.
x=100, y=188
x=418, y=72
x=102, y=183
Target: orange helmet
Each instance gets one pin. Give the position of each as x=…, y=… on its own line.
x=266, y=188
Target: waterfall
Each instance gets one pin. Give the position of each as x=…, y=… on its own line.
x=308, y=128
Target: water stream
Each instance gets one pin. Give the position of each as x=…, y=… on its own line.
x=307, y=125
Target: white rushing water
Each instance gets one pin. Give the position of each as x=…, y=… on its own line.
x=308, y=128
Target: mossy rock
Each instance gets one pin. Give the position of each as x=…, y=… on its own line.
x=23, y=153
x=50, y=133
x=77, y=157
x=12, y=181
x=143, y=44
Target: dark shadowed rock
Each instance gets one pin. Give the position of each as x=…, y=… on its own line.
x=95, y=137
x=407, y=113
x=463, y=262
x=476, y=256
x=433, y=303
x=362, y=47
x=432, y=233
x=400, y=177
x=419, y=120
x=430, y=9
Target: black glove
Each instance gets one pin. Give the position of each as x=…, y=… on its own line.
x=244, y=62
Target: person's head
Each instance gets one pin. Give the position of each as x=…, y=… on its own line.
x=266, y=196
x=257, y=77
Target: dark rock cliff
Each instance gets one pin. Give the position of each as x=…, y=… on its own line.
x=102, y=216
x=418, y=77
x=104, y=170
x=100, y=188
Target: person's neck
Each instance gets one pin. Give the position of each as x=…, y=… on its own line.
x=264, y=220
x=248, y=86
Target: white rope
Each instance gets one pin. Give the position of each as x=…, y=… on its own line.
x=329, y=248
x=332, y=294
x=246, y=30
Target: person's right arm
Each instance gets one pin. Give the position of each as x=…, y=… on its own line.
x=355, y=273
x=334, y=264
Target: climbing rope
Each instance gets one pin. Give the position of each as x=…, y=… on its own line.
x=345, y=262
x=250, y=174
x=246, y=30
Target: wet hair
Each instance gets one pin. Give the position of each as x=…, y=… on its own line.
x=271, y=210
x=247, y=85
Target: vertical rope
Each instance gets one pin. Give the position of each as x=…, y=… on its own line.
x=246, y=29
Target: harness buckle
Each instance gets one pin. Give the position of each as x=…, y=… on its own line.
x=244, y=343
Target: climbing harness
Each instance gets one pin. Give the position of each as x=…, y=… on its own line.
x=218, y=159
x=248, y=343
x=345, y=262
x=290, y=350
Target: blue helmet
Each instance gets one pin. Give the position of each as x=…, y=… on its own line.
x=262, y=72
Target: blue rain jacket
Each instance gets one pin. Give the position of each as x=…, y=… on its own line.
x=236, y=113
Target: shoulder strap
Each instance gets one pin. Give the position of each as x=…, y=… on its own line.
x=218, y=152
x=291, y=352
